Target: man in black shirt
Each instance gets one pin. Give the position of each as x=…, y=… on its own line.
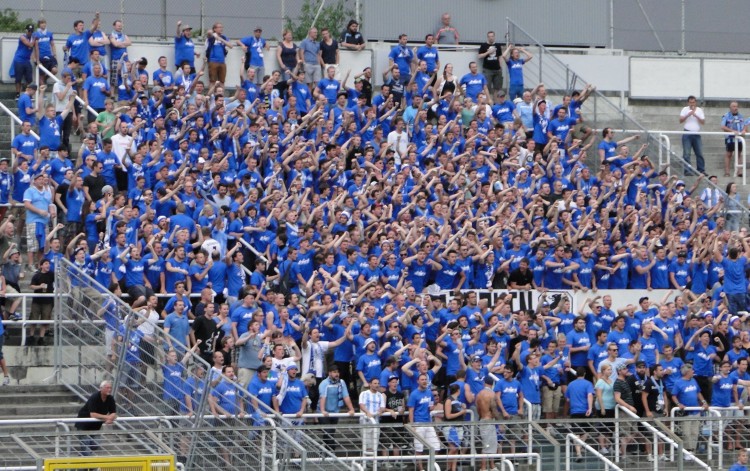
x=352, y=39
x=521, y=277
x=43, y=281
x=94, y=182
x=654, y=403
x=490, y=54
x=101, y=405
x=624, y=397
x=329, y=50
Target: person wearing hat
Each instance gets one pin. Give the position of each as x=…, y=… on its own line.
x=21, y=68
x=351, y=38
x=333, y=396
x=254, y=46
x=184, y=47
x=292, y=395
x=369, y=364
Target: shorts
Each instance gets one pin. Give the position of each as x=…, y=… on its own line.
x=245, y=375
x=580, y=427
x=396, y=436
x=49, y=63
x=109, y=342
x=514, y=429
x=217, y=71
x=137, y=291
x=41, y=312
x=312, y=73
x=729, y=146
x=23, y=71
x=454, y=435
x=32, y=242
x=488, y=432
x=627, y=428
x=429, y=435
x=551, y=399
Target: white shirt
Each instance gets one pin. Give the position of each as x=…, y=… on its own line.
x=313, y=357
x=120, y=145
x=372, y=402
x=149, y=326
x=692, y=123
x=399, y=146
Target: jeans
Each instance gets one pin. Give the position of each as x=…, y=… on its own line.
x=736, y=302
x=693, y=141
x=515, y=91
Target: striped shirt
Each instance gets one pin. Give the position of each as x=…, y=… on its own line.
x=372, y=402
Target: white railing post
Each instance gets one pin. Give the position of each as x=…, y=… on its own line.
x=567, y=451
x=668, y=145
x=530, y=416
x=617, y=434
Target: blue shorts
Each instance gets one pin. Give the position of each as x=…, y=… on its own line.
x=23, y=72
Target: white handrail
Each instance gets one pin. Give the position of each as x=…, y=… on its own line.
x=13, y=121
x=714, y=411
x=53, y=77
x=573, y=438
x=668, y=440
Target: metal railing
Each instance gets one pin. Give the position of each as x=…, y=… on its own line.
x=14, y=119
x=672, y=442
x=40, y=67
x=82, y=360
x=599, y=111
x=572, y=438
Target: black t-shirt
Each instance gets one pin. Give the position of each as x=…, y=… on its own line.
x=490, y=61
x=367, y=91
x=328, y=51
x=521, y=278
x=397, y=90
x=393, y=401
x=654, y=389
x=62, y=190
x=40, y=278
x=626, y=393
x=97, y=405
x=204, y=329
x=95, y=185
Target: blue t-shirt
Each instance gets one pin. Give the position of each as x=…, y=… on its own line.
x=515, y=71
x=577, y=393
x=422, y=402
x=508, y=394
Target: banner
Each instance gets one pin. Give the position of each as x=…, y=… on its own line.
x=524, y=300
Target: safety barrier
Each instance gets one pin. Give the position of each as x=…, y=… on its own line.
x=84, y=357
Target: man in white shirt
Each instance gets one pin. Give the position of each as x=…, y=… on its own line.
x=692, y=118
x=122, y=142
x=711, y=195
x=398, y=140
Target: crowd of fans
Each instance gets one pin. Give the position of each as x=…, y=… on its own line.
x=306, y=222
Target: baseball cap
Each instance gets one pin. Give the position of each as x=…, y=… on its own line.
x=622, y=366
x=293, y=366
x=29, y=27
x=391, y=378
x=368, y=342
x=38, y=175
x=32, y=86
x=186, y=27
x=201, y=160
x=258, y=28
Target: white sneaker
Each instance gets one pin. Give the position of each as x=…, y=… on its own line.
x=6, y=381
x=650, y=458
x=604, y=451
x=689, y=458
x=663, y=457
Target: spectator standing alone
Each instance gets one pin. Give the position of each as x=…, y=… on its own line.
x=42, y=282
x=446, y=33
x=309, y=55
x=734, y=123
x=100, y=405
x=352, y=39
x=253, y=47
x=692, y=118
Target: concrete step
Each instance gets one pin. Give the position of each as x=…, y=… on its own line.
x=11, y=411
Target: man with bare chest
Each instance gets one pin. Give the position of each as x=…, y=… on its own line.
x=487, y=411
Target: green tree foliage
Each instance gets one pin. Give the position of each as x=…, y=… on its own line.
x=334, y=16
x=9, y=21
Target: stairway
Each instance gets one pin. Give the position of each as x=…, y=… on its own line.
x=37, y=402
